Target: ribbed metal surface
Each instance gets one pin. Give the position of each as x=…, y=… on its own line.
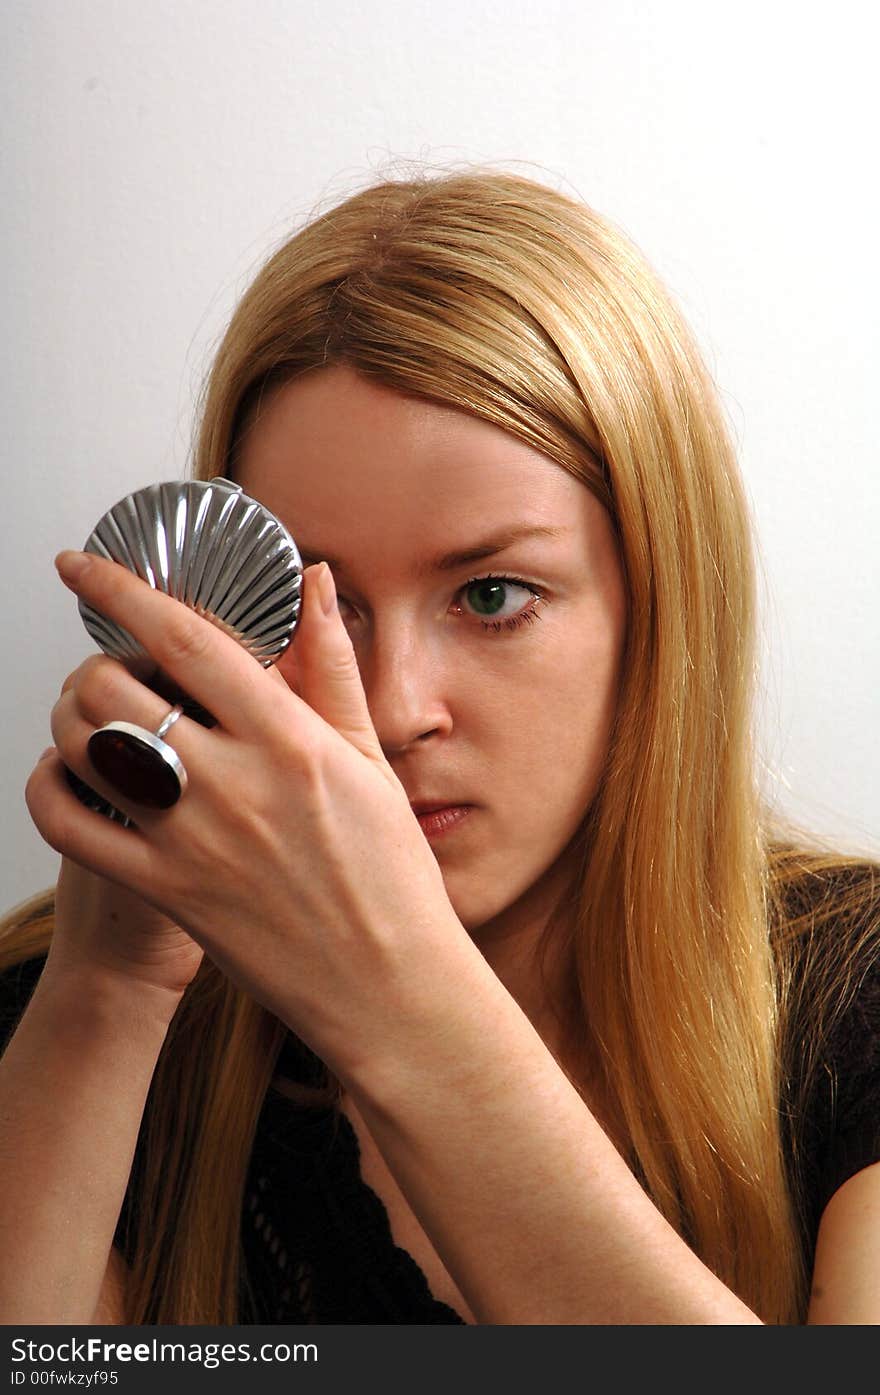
x=211, y=546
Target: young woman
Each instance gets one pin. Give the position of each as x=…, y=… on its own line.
x=596, y=1043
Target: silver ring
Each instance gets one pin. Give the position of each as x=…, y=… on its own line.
x=176, y=711
x=138, y=763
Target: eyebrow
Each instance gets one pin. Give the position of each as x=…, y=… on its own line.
x=451, y=561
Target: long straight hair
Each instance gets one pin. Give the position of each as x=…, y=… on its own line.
x=493, y=294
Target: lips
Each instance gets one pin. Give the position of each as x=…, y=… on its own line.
x=438, y=822
x=431, y=806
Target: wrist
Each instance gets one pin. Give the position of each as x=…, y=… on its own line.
x=435, y=1032
x=98, y=996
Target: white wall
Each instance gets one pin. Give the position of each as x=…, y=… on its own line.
x=153, y=152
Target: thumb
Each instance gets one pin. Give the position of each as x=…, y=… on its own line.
x=327, y=674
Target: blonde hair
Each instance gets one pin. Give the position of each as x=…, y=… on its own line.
x=496, y=295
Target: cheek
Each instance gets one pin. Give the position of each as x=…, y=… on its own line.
x=556, y=719
x=563, y=761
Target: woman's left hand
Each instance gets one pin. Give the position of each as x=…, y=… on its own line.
x=293, y=856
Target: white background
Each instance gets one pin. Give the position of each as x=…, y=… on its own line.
x=153, y=153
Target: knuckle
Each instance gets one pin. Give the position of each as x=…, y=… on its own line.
x=99, y=686
x=341, y=665
x=31, y=788
x=47, y=824
x=298, y=766
x=65, y=724
x=75, y=676
x=57, y=721
x=186, y=638
x=304, y=757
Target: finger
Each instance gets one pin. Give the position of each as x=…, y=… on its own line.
x=82, y=710
x=105, y=690
x=122, y=855
x=327, y=671
x=71, y=734
x=74, y=676
x=207, y=664
x=288, y=666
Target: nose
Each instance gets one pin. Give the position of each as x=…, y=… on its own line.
x=406, y=683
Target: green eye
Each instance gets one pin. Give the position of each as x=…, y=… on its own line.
x=487, y=596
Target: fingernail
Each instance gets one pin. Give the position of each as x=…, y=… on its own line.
x=69, y=565
x=326, y=589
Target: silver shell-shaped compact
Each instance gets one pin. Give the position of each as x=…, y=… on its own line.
x=226, y=556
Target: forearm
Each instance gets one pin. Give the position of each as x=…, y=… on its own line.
x=531, y=1208
x=73, y=1084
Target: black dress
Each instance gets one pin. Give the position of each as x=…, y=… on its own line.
x=317, y=1240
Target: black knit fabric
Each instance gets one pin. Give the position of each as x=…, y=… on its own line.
x=317, y=1241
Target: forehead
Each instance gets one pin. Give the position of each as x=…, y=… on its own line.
x=347, y=462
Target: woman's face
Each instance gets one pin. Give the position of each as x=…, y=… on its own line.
x=496, y=694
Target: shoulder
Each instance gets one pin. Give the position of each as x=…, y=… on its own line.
x=829, y=937
x=846, y=1271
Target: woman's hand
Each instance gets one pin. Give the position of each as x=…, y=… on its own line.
x=101, y=926
x=293, y=857
x=105, y=927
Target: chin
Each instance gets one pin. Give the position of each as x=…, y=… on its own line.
x=473, y=907
x=489, y=911
x=479, y=908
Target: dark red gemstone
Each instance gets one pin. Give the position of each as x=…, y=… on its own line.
x=134, y=768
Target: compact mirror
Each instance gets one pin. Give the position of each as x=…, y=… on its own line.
x=225, y=555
